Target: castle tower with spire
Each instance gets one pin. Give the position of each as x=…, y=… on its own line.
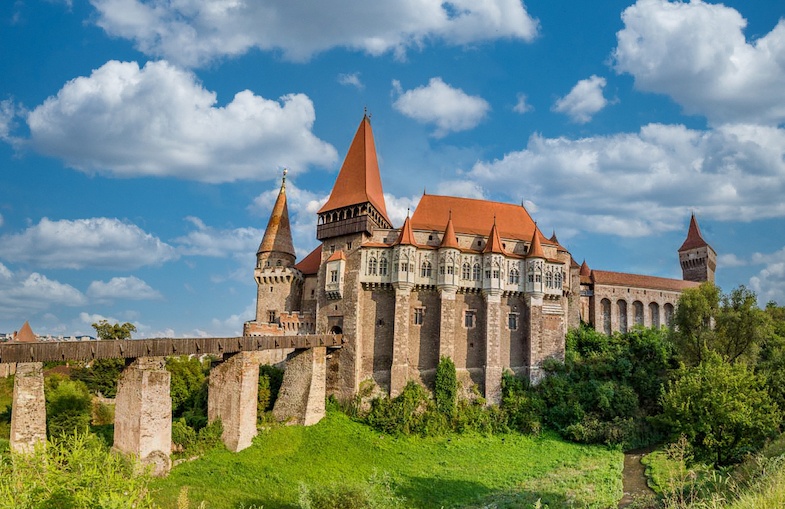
x=697, y=258
x=473, y=280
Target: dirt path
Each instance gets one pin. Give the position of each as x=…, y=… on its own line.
x=634, y=478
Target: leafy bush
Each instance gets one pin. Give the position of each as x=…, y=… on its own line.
x=723, y=409
x=188, y=386
x=101, y=376
x=75, y=471
x=270, y=380
x=522, y=407
x=68, y=406
x=183, y=436
x=412, y=412
x=190, y=441
x=446, y=387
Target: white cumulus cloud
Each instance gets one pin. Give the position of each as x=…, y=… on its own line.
x=351, y=79
x=98, y=243
x=124, y=288
x=208, y=241
x=635, y=184
x=697, y=54
x=158, y=120
x=584, y=100
x=769, y=283
x=22, y=295
x=450, y=109
x=521, y=106
x=194, y=32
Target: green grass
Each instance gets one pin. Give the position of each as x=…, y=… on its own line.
x=6, y=399
x=502, y=471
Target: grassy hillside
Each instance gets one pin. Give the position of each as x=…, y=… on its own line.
x=456, y=471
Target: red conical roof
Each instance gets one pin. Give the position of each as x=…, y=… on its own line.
x=494, y=244
x=359, y=181
x=406, y=238
x=25, y=334
x=694, y=238
x=278, y=235
x=535, y=251
x=450, y=240
x=585, y=270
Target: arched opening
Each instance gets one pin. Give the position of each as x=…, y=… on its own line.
x=336, y=330
x=654, y=314
x=668, y=308
x=637, y=307
x=622, y=305
x=606, y=316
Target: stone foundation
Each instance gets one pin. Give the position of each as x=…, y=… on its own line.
x=232, y=397
x=28, y=418
x=301, y=399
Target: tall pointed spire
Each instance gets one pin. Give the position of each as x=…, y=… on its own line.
x=406, y=238
x=694, y=238
x=535, y=250
x=25, y=334
x=494, y=244
x=358, y=181
x=278, y=235
x=450, y=240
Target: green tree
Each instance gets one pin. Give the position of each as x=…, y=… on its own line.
x=723, y=409
x=100, y=376
x=741, y=326
x=188, y=383
x=106, y=330
x=693, y=320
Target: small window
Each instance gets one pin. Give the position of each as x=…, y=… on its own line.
x=383, y=267
x=267, y=263
x=469, y=318
x=476, y=272
x=425, y=270
x=496, y=274
x=380, y=323
x=372, y=266
x=271, y=316
x=333, y=276
x=278, y=263
x=418, y=315
x=467, y=271
x=430, y=237
x=450, y=270
x=512, y=321
x=348, y=246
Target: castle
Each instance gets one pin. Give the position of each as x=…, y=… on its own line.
x=473, y=280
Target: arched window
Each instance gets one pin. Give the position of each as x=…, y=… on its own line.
x=425, y=269
x=515, y=276
x=476, y=272
x=622, y=315
x=383, y=267
x=606, y=316
x=372, y=264
x=637, y=306
x=654, y=315
x=549, y=280
x=467, y=271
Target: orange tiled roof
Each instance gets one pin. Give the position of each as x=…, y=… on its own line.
x=639, y=281
x=694, y=238
x=449, y=240
x=338, y=255
x=494, y=244
x=278, y=235
x=474, y=217
x=310, y=264
x=535, y=251
x=406, y=238
x=25, y=334
x=359, y=181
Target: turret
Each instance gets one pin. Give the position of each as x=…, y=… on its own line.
x=449, y=257
x=535, y=265
x=404, y=257
x=697, y=258
x=278, y=283
x=493, y=261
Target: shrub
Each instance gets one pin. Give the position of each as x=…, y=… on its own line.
x=183, y=436
x=188, y=386
x=68, y=406
x=522, y=407
x=270, y=380
x=376, y=493
x=75, y=471
x=446, y=387
x=405, y=413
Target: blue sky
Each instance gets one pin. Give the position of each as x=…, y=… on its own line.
x=142, y=142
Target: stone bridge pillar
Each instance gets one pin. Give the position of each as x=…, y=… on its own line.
x=302, y=394
x=232, y=396
x=399, y=370
x=493, y=364
x=28, y=415
x=143, y=413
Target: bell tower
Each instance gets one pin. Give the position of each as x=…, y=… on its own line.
x=697, y=258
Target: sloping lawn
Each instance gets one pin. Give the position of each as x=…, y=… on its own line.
x=457, y=471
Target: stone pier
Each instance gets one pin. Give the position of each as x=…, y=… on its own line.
x=143, y=413
x=447, y=322
x=399, y=370
x=493, y=364
x=28, y=417
x=232, y=396
x=303, y=391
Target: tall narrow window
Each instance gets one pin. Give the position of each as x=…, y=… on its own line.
x=418, y=316
x=549, y=280
x=383, y=267
x=467, y=271
x=515, y=276
x=476, y=272
x=425, y=269
x=469, y=318
x=372, y=266
x=512, y=321
x=333, y=276
x=271, y=316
